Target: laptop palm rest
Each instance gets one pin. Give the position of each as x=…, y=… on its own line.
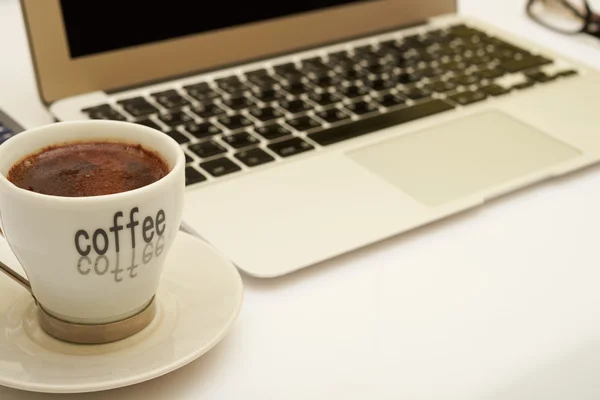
x=463, y=157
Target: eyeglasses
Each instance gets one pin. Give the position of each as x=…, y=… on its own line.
x=565, y=16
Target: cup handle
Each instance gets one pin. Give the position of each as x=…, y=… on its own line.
x=10, y=273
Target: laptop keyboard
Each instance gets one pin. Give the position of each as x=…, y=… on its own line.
x=243, y=121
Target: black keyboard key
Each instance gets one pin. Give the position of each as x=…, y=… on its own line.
x=368, y=63
x=285, y=67
x=524, y=85
x=233, y=122
x=492, y=73
x=193, y=176
x=104, y=111
x=207, y=149
x=240, y=140
x=455, y=66
x=390, y=100
x=365, y=59
x=348, y=74
x=324, y=80
x=342, y=65
x=238, y=102
x=272, y=131
x=518, y=65
x=231, y=84
x=264, y=114
x=364, y=49
x=333, y=115
x=201, y=91
x=255, y=73
x=207, y=110
x=202, y=130
x=291, y=76
x=409, y=57
x=389, y=44
x=220, y=166
x=383, y=51
x=312, y=61
x=372, y=124
x=175, y=119
x=494, y=90
x=416, y=93
x=201, y=87
x=266, y=95
x=295, y=87
x=380, y=84
x=149, y=123
x=138, y=106
x=178, y=136
x=468, y=97
x=338, y=55
x=290, y=147
x=261, y=78
x=569, y=72
x=442, y=86
x=294, y=106
x=362, y=107
x=540, y=76
x=170, y=99
x=265, y=81
x=467, y=79
x=324, y=98
x=315, y=64
x=406, y=79
x=354, y=91
x=378, y=69
x=188, y=159
x=480, y=60
x=254, y=157
x=288, y=72
x=304, y=123
x=400, y=60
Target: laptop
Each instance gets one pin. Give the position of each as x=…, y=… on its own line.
x=315, y=128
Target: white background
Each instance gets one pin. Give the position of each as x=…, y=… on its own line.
x=495, y=304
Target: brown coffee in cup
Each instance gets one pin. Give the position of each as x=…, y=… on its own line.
x=88, y=169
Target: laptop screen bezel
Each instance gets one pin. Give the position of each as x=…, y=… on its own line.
x=60, y=76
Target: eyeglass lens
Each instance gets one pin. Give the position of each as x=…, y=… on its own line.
x=563, y=15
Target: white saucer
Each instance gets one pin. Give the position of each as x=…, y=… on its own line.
x=199, y=298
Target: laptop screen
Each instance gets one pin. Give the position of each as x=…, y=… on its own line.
x=94, y=27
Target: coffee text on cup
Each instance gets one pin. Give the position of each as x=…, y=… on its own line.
x=99, y=240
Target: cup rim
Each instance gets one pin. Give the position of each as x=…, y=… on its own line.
x=177, y=166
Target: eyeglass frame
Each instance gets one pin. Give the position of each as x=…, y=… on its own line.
x=591, y=20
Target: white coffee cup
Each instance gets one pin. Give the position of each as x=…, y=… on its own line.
x=99, y=259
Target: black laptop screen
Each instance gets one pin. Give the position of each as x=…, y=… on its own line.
x=94, y=27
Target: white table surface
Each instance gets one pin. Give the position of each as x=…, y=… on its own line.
x=495, y=304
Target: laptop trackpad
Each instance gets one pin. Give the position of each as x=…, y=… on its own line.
x=462, y=157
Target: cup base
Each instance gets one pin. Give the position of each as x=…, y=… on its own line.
x=96, y=333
